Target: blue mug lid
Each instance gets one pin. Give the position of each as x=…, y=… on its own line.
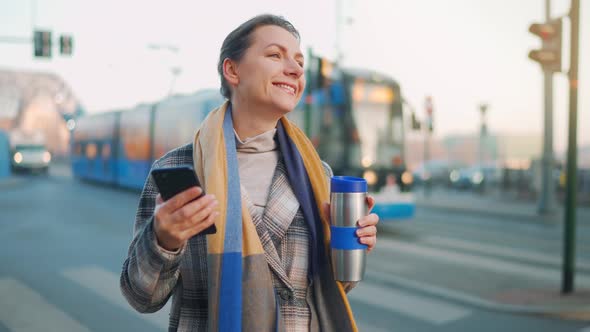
x=348, y=184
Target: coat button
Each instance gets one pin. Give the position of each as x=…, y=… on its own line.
x=284, y=294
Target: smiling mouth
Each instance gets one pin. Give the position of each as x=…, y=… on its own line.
x=288, y=88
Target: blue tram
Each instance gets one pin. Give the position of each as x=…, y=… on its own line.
x=119, y=147
x=354, y=119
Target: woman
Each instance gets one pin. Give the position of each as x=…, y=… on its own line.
x=267, y=267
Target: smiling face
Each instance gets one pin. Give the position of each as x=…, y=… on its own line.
x=270, y=76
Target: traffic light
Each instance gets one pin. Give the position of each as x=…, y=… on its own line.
x=42, y=44
x=549, y=56
x=415, y=122
x=65, y=45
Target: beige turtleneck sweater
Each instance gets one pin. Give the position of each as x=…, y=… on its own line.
x=257, y=160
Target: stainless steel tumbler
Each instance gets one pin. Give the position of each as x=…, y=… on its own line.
x=347, y=206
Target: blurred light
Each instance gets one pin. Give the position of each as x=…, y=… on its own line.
x=71, y=124
x=327, y=68
x=18, y=157
x=46, y=157
x=371, y=177
x=477, y=177
x=59, y=98
x=454, y=176
x=426, y=175
x=366, y=161
x=407, y=177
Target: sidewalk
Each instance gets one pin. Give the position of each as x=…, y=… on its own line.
x=481, y=281
x=485, y=275
x=494, y=204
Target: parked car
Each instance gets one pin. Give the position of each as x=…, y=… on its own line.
x=30, y=157
x=435, y=171
x=475, y=177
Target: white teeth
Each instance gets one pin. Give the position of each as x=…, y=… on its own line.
x=284, y=86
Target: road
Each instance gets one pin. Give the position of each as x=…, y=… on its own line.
x=63, y=242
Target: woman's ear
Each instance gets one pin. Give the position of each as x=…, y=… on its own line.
x=230, y=72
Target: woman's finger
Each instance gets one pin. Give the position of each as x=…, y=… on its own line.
x=367, y=231
x=370, y=202
x=370, y=220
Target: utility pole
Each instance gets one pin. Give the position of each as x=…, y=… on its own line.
x=175, y=70
x=482, y=134
x=547, y=198
x=569, y=267
x=427, y=176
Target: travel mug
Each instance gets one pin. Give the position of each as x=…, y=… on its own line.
x=347, y=205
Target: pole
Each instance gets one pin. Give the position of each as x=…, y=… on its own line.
x=546, y=199
x=338, y=27
x=427, y=178
x=482, y=133
x=570, y=194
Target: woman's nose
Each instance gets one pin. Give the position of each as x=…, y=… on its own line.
x=292, y=68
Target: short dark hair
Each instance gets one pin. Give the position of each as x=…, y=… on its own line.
x=238, y=41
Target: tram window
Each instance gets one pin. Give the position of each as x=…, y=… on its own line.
x=106, y=151
x=135, y=131
x=91, y=150
x=78, y=149
x=397, y=130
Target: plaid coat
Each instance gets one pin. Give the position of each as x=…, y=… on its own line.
x=151, y=274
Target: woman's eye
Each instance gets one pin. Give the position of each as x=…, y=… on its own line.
x=276, y=55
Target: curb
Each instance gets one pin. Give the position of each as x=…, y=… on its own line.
x=9, y=182
x=577, y=313
x=549, y=220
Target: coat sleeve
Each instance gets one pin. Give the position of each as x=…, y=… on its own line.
x=150, y=272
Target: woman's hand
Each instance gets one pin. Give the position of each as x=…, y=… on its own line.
x=367, y=225
x=180, y=218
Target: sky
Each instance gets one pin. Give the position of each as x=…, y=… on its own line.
x=461, y=52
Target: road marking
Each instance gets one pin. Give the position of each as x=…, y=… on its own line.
x=473, y=230
x=497, y=250
x=23, y=309
x=367, y=327
x=484, y=263
x=418, y=307
x=106, y=284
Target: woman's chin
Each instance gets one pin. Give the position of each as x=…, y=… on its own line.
x=285, y=106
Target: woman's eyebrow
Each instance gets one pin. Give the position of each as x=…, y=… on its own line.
x=284, y=49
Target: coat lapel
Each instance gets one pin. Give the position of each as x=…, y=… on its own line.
x=282, y=205
x=272, y=224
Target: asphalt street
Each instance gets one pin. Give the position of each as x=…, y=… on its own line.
x=63, y=243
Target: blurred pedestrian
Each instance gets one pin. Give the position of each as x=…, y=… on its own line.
x=267, y=268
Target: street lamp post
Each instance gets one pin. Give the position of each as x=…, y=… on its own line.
x=482, y=134
x=174, y=70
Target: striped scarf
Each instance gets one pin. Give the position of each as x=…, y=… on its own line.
x=240, y=289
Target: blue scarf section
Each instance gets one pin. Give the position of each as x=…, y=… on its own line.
x=230, y=292
x=302, y=189
x=230, y=301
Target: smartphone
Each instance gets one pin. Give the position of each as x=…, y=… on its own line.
x=174, y=180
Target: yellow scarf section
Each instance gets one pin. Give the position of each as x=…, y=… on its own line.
x=209, y=158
